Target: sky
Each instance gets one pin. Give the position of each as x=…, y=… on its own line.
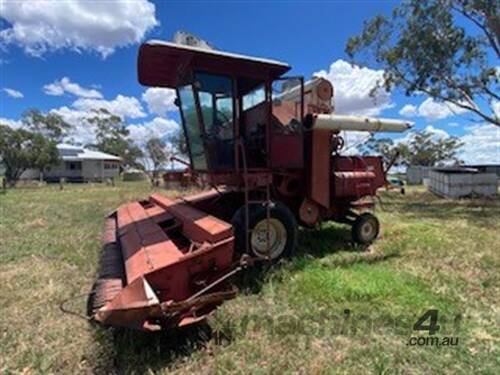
x=72, y=56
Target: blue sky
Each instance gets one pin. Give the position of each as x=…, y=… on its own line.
x=71, y=56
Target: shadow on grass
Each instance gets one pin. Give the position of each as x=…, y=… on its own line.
x=144, y=352
x=331, y=238
x=313, y=245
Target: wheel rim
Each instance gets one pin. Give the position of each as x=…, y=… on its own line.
x=277, y=238
x=368, y=230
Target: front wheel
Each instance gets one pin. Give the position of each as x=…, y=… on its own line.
x=365, y=229
x=272, y=238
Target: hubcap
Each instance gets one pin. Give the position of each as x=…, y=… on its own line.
x=268, y=243
x=367, y=230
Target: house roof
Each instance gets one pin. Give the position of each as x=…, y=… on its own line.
x=165, y=64
x=79, y=153
x=484, y=165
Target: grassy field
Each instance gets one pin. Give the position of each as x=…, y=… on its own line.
x=332, y=308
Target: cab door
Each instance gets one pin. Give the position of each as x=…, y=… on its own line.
x=215, y=93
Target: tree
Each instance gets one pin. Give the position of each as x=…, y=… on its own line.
x=112, y=137
x=423, y=48
x=421, y=148
x=179, y=144
x=21, y=149
x=425, y=149
x=50, y=125
x=158, y=154
x=383, y=147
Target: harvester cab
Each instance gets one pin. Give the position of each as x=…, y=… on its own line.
x=225, y=100
x=270, y=148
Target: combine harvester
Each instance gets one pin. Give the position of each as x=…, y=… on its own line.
x=270, y=148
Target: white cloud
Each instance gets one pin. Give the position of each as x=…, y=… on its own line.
x=13, y=93
x=84, y=132
x=157, y=128
x=353, y=142
x=436, y=134
x=124, y=106
x=53, y=89
x=408, y=110
x=102, y=26
x=81, y=132
x=14, y=124
x=481, y=145
x=352, y=87
x=496, y=108
x=159, y=100
x=58, y=88
x=431, y=110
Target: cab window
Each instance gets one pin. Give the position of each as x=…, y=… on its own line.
x=215, y=93
x=192, y=128
x=254, y=97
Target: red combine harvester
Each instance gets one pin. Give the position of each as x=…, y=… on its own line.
x=270, y=148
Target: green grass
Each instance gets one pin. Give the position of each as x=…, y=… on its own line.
x=332, y=308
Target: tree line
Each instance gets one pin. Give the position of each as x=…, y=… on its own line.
x=422, y=148
x=34, y=144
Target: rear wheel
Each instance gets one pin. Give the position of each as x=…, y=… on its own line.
x=268, y=239
x=365, y=229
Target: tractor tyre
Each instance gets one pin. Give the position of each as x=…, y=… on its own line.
x=365, y=229
x=282, y=231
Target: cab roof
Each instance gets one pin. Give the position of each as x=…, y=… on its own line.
x=166, y=64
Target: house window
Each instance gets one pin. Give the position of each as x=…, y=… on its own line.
x=110, y=165
x=73, y=165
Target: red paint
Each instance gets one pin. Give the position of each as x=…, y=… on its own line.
x=155, y=267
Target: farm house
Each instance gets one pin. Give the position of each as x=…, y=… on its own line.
x=79, y=164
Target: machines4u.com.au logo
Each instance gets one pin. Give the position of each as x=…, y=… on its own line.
x=428, y=322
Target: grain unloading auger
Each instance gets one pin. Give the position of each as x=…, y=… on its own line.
x=270, y=148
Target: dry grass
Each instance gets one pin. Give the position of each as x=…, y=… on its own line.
x=433, y=253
